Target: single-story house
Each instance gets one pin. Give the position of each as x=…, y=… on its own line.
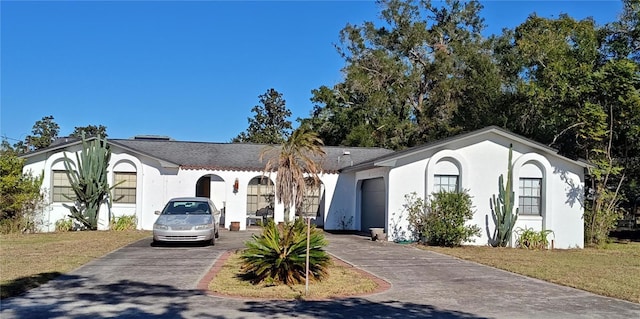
x=361, y=187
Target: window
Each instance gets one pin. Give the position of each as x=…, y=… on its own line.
x=311, y=200
x=62, y=191
x=260, y=194
x=125, y=187
x=446, y=183
x=530, y=196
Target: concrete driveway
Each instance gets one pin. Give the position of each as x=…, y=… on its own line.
x=140, y=281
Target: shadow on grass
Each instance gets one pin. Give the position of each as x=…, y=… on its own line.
x=20, y=285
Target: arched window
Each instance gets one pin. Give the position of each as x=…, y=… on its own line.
x=61, y=191
x=447, y=176
x=260, y=194
x=312, y=199
x=125, y=180
x=530, y=190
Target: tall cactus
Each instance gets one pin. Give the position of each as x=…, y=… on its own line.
x=502, y=208
x=89, y=181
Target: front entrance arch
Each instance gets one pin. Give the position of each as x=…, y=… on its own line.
x=203, y=186
x=213, y=187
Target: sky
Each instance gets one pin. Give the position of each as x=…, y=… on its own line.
x=191, y=70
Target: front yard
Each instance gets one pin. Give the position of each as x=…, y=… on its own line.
x=612, y=271
x=27, y=261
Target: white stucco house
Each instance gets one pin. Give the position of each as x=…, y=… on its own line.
x=361, y=187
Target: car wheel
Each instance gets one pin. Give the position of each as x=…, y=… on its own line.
x=217, y=235
x=212, y=241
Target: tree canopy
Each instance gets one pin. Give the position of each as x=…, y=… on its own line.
x=44, y=132
x=269, y=124
x=89, y=130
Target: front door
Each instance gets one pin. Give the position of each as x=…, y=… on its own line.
x=203, y=187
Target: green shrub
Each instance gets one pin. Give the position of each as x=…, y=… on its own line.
x=126, y=222
x=531, y=239
x=416, y=209
x=278, y=254
x=64, y=225
x=441, y=221
x=21, y=199
x=599, y=222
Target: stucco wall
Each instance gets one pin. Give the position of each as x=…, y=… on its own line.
x=157, y=184
x=481, y=162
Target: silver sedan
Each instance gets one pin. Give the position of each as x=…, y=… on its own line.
x=187, y=219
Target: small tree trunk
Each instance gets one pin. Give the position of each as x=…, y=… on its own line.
x=287, y=213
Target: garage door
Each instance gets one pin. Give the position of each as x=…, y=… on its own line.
x=373, y=203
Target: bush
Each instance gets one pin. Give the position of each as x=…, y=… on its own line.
x=278, y=254
x=126, y=222
x=22, y=198
x=531, y=239
x=441, y=221
x=64, y=225
x=599, y=222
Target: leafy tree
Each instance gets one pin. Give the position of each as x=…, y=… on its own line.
x=270, y=124
x=88, y=179
x=551, y=99
x=44, y=131
x=616, y=173
x=89, y=130
x=573, y=87
x=21, y=194
x=295, y=161
x=623, y=36
x=419, y=77
x=278, y=254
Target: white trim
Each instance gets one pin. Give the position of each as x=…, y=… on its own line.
x=457, y=159
x=547, y=186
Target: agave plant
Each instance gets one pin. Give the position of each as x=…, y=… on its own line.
x=278, y=254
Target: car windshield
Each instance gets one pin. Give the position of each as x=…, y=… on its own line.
x=187, y=208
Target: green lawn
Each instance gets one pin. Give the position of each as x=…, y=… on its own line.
x=29, y=260
x=611, y=271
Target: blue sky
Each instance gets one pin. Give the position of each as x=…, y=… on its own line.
x=189, y=70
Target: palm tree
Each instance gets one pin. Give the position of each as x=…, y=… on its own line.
x=298, y=157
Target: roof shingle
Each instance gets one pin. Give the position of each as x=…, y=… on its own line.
x=238, y=156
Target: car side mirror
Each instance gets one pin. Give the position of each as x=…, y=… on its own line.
x=157, y=212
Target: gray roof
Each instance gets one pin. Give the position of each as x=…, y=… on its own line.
x=237, y=156
x=388, y=159
x=245, y=157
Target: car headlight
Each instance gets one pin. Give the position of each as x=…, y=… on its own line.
x=160, y=227
x=202, y=227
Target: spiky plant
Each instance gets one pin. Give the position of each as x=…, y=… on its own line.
x=88, y=179
x=278, y=254
x=504, y=216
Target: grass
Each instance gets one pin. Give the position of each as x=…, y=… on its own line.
x=612, y=271
x=342, y=281
x=29, y=260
